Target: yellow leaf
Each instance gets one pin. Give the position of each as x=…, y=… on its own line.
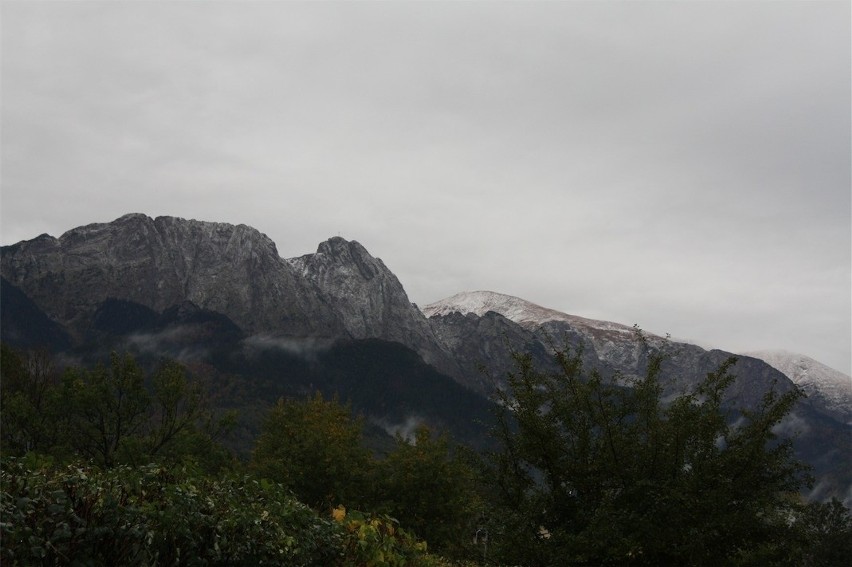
x=339, y=513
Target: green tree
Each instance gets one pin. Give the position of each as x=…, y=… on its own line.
x=826, y=531
x=110, y=415
x=603, y=471
x=107, y=408
x=182, y=424
x=29, y=402
x=431, y=489
x=314, y=448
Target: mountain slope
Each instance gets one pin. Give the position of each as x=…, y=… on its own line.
x=341, y=291
x=24, y=325
x=830, y=387
x=523, y=312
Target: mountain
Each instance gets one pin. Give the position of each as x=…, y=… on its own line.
x=220, y=298
x=25, y=325
x=162, y=262
x=606, y=346
x=833, y=389
x=339, y=292
x=489, y=326
x=523, y=312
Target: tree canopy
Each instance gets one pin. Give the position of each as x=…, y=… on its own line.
x=109, y=414
x=111, y=463
x=599, y=470
x=314, y=447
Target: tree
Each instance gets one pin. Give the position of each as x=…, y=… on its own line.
x=109, y=415
x=107, y=407
x=29, y=401
x=826, y=531
x=603, y=471
x=314, y=448
x=431, y=489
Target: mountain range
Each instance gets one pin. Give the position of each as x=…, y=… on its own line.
x=221, y=299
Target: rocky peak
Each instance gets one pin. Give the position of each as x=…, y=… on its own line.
x=370, y=298
x=341, y=253
x=359, y=286
x=339, y=291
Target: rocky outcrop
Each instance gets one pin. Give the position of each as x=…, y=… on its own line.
x=370, y=299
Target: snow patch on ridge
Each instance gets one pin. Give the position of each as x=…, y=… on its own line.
x=815, y=378
x=522, y=312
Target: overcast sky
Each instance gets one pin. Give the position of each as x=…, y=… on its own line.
x=683, y=166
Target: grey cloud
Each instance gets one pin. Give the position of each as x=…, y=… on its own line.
x=406, y=429
x=308, y=348
x=168, y=340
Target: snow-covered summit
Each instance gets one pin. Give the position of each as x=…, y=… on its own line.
x=815, y=378
x=521, y=311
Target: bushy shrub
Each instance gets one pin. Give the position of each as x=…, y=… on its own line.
x=378, y=541
x=150, y=515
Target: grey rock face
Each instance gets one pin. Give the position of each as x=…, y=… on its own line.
x=161, y=262
x=369, y=298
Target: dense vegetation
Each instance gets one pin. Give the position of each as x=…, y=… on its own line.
x=115, y=465
x=601, y=471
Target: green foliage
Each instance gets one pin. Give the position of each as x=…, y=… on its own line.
x=592, y=471
x=150, y=515
x=603, y=472
x=106, y=409
x=314, y=448
x=109, y=415
x=378, y=541
x=29, y=403
x=825, y=532
x=431, y=489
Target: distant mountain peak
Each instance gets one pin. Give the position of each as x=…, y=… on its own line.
x=523, y=312
x=833, y=387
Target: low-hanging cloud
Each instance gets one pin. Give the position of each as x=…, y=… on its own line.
x=307, y=348
x=406, y=429
x=176, y=342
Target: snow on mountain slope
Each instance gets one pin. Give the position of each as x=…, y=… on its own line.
x=525, y=313
x=815, y=378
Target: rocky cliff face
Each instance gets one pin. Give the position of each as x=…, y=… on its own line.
x=483, y=347
x=341, y=291
x=162, y=262
x=369, y=298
